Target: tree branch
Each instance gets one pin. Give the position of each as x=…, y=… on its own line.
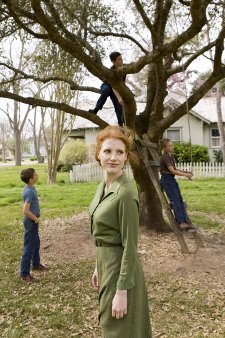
x=73, y=85
x=179, y=69
x=120, y=35
x=186, y=3
x=144, y=16
x=161, y=17
x=68, y=34
x=177, y=113
x=92, y=62
x=55, y=105
x=20, y=23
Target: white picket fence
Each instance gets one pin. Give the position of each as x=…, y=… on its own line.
x=200, y=170
x=93, y=172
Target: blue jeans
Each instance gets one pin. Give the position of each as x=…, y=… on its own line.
x=31, y=247
x=171, y=187
x=106, y=91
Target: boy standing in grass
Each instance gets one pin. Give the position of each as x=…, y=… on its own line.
x=31, y=211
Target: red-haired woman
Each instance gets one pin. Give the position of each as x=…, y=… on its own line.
x=124, y=311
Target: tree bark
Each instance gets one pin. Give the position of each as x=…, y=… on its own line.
x=220, y=118
x=37, y=139
x=52, y=173
x=16, y=129
x=18, y=152
x=151, y=214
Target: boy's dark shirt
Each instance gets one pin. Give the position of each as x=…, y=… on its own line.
x=167, y=161
x=124, y=78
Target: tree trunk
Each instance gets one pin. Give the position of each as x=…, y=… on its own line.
x=36, y=139
x=52, y=173
x=17, y=130
x=18, y=152
x=151, y=214
x=3, y=151
x=220, y=118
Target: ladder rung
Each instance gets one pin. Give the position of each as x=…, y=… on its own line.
x=154, y=163
x=148, y=144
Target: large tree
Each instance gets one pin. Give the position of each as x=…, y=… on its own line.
x=170, y=40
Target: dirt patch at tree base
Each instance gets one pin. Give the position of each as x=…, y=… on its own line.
x=69, y=239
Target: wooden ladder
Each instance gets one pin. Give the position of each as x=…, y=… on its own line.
x=149, y=147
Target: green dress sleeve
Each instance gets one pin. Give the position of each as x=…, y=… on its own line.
x=128, y=222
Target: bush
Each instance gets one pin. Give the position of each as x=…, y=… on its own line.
x=182, y=152
x=64, y=168
x=33, y=158
x=73, y=152
x=218, y=156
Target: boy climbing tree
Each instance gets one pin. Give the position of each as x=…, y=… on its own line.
x=108, y=91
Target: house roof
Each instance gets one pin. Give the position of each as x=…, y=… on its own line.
x=206, y=107
x=174, y=100
x=107, y=114
x=204, y=110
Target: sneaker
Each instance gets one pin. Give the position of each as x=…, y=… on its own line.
x=28, y=279
x=93, y=111
x=40, y=267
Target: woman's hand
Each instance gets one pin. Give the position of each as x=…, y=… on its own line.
x=119, y=304
x=94, y=280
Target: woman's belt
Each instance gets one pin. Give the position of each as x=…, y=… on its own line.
x=104, y=244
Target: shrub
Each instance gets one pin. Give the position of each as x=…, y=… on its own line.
x=182, y=152
x=33, y=158
x=73, y=151
x=218, y=156
x=64, y=168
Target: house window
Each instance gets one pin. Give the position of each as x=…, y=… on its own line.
x=174, y=135
x=215, y=138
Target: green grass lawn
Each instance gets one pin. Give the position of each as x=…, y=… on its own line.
x=55, y=307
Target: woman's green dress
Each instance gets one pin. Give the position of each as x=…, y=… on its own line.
x=114, y=224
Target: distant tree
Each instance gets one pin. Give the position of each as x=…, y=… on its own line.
x=24, y=145
x=17, y=118
x=37, y=133
x=56, y=127
x=5, y=135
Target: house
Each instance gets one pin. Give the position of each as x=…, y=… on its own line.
x=199, y=126
x=30, y=151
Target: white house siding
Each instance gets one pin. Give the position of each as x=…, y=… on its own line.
x=196, y=126
x=90, y=136
x=206, y=138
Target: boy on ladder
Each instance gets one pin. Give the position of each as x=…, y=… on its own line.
x=170, y=186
